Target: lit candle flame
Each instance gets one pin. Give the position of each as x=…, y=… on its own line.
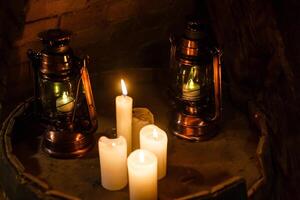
x=155, y=133
x=124, y=89
x=65, y=96
x=191, y=85
x=142, y=156
x=113, y=144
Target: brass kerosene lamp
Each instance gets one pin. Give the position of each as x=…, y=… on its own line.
x=63, y=91
x=196, y=84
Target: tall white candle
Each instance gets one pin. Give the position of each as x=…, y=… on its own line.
x=113, y=162
x=155, y=140
x=65, y=103
x=124, y=115
x=142, y=172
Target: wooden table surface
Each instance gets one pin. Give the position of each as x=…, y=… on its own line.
x=192, y=167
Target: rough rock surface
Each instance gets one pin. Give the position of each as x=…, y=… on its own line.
x=261, y=41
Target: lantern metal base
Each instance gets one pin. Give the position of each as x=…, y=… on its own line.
x=193, y=128
x=66, y=144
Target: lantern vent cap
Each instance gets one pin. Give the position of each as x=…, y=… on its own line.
x=56, y=40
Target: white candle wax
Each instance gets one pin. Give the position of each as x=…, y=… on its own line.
x=124, y=116
x=142, y=172
x=154, y=139
x=65, y=103
x=113, y=162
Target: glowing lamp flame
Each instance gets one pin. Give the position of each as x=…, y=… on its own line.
x=113, y=144
x=124, y=89
x=142, y=156
x=191, y=85
x=65, y=96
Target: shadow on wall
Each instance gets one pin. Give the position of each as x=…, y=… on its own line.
x=12, y=23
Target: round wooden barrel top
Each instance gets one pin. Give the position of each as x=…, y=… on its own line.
x=235, y=153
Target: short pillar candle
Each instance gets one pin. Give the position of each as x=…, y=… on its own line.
x=113, y=162
x=142, y=172
x=154, y=139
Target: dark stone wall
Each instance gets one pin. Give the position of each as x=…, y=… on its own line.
x=115, y=33
x=261, y=45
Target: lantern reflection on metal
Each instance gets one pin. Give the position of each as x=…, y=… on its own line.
x=195, y=84
x=62, y=87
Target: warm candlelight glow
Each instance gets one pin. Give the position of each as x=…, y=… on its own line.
x=124, y=115
x=142, y=174
x=191, y=85
x=142, y=157
x=65, y=96
x=113, y=162
x=155, y=133
x=155, y=140
x=124, y=89
x=191, y=90
x=65, y=103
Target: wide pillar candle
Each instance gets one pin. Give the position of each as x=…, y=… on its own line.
x=124, y=116
x=142, y=172
x=154, y=139
x=113, y=162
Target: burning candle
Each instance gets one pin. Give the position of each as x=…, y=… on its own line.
x=190, y=90
x=124, y=115
x=65, y=103
x=113, y=158
x=142, y=172
x=154, y=139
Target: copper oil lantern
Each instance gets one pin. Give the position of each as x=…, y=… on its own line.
x=63, y=94
x=196, y=84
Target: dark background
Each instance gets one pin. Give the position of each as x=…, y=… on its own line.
x=260, y=40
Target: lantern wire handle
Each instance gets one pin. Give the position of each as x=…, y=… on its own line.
x=217, y=84
x=84, y=78
x=89, y=94
x=76, y=99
